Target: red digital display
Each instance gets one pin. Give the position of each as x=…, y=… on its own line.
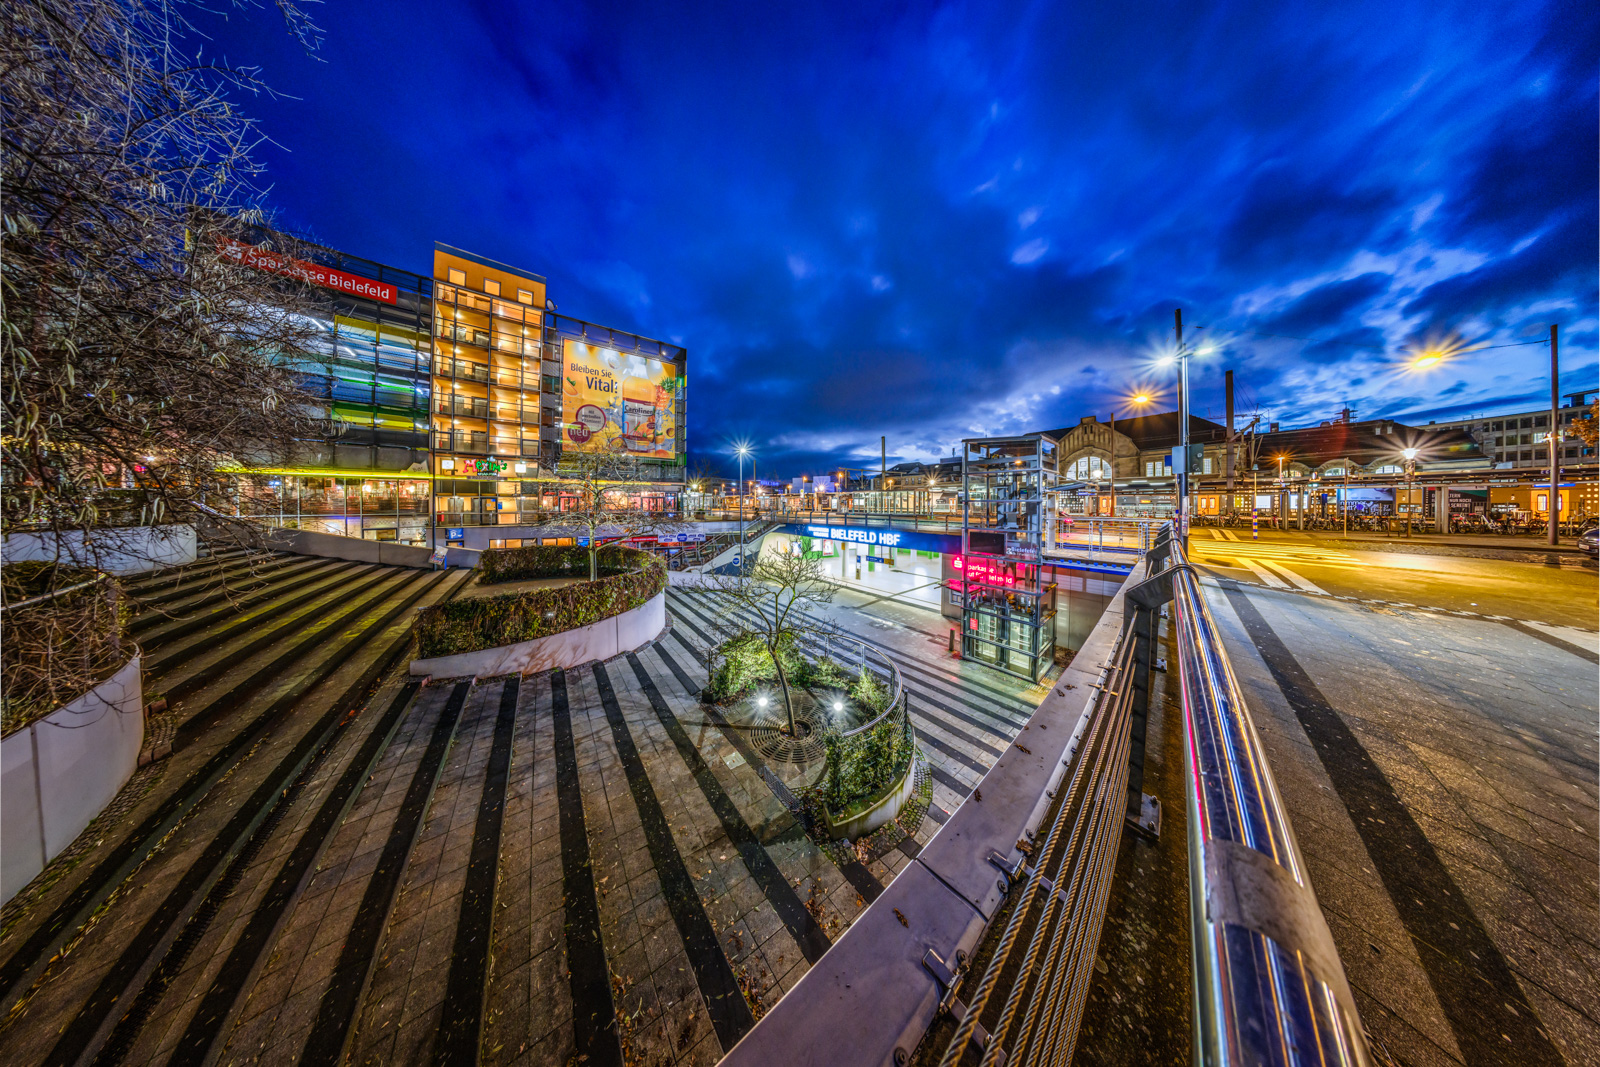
x=315, y=273
x=983, y=571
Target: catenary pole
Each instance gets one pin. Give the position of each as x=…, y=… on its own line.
x=1555, y=436
x=1183, y=428
x=1227, y=454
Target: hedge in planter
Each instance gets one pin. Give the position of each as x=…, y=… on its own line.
x=54, y=651
x=497, y=565
x=470, y=624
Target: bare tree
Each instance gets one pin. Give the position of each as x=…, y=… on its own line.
x=145, y=351
x=1587, y=429
x=605, y=486
x=774, y=595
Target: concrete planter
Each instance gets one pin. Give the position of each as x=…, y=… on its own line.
x=598, y=641
x=116, y=550
x=58, y=773
x=885, y=810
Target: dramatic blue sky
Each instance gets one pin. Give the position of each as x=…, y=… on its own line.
x=937, y=221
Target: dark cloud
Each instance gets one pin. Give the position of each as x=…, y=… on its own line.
x=1328, y=306
x=934, y=222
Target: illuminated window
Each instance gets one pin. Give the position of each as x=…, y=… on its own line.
x=491, y=287
x=524, y=297
x=458, y=277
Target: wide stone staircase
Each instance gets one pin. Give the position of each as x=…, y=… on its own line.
x=258, y=669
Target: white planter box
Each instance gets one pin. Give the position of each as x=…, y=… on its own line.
x=597, y=641
x=57, y=774
x=117, y=550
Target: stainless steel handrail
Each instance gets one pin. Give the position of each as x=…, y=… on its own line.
x=1269, y=985
x=896, y=690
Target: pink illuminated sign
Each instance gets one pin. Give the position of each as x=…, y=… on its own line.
x=981, y=570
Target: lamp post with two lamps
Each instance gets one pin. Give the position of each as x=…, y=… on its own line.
x=742, y=451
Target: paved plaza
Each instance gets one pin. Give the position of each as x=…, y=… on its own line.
x=585, y=866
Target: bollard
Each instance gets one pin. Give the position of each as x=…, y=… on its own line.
x=1255, y=524
x=952, y=642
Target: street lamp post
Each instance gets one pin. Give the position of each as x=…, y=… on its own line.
x=1411, y=469
x=1283, y=500
x=743, y=451
x=1183, y=429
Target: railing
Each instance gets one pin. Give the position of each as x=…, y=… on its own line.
x=511, y=446
x=1103, y=533
x=1268, y=984
x=451, y=441
x=472, y=406
x=1271, y=987
x=461, y=368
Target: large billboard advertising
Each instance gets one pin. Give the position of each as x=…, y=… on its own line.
x=620, y=403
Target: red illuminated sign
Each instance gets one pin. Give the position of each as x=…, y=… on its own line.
x=983, y=571
x=315, y=273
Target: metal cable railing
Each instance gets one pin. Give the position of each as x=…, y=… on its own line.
x=1064, y=915
x=1269, y=986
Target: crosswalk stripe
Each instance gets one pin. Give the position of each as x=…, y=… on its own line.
x=1308, y=586
x=1217, y=534
x=1267, y=578
x=1265, y=552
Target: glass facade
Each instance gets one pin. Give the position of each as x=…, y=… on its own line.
x=368, y=371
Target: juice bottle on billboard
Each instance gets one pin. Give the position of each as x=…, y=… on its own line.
x=639, y=414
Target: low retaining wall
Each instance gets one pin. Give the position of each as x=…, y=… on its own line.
x=362, y=550
x=58, y=773
x=880, y=814
x=599, y=640
x=119, y=550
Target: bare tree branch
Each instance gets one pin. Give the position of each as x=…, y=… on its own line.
x=142, y=357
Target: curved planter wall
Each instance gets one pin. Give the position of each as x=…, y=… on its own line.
x=57, y=774
x=880, y=814
x=599, y=640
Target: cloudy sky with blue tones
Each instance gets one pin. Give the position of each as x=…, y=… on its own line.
x=937, y=221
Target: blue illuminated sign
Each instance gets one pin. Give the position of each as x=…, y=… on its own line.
x=887, y=538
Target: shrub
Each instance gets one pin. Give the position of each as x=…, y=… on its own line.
x=861, y=767
x=869, y=692
x=496, y=565
x=54, y=651
x=743, y=660
x=478, y=622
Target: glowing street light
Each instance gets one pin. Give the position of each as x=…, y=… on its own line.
x=1138, y=399
x=1410, y=455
